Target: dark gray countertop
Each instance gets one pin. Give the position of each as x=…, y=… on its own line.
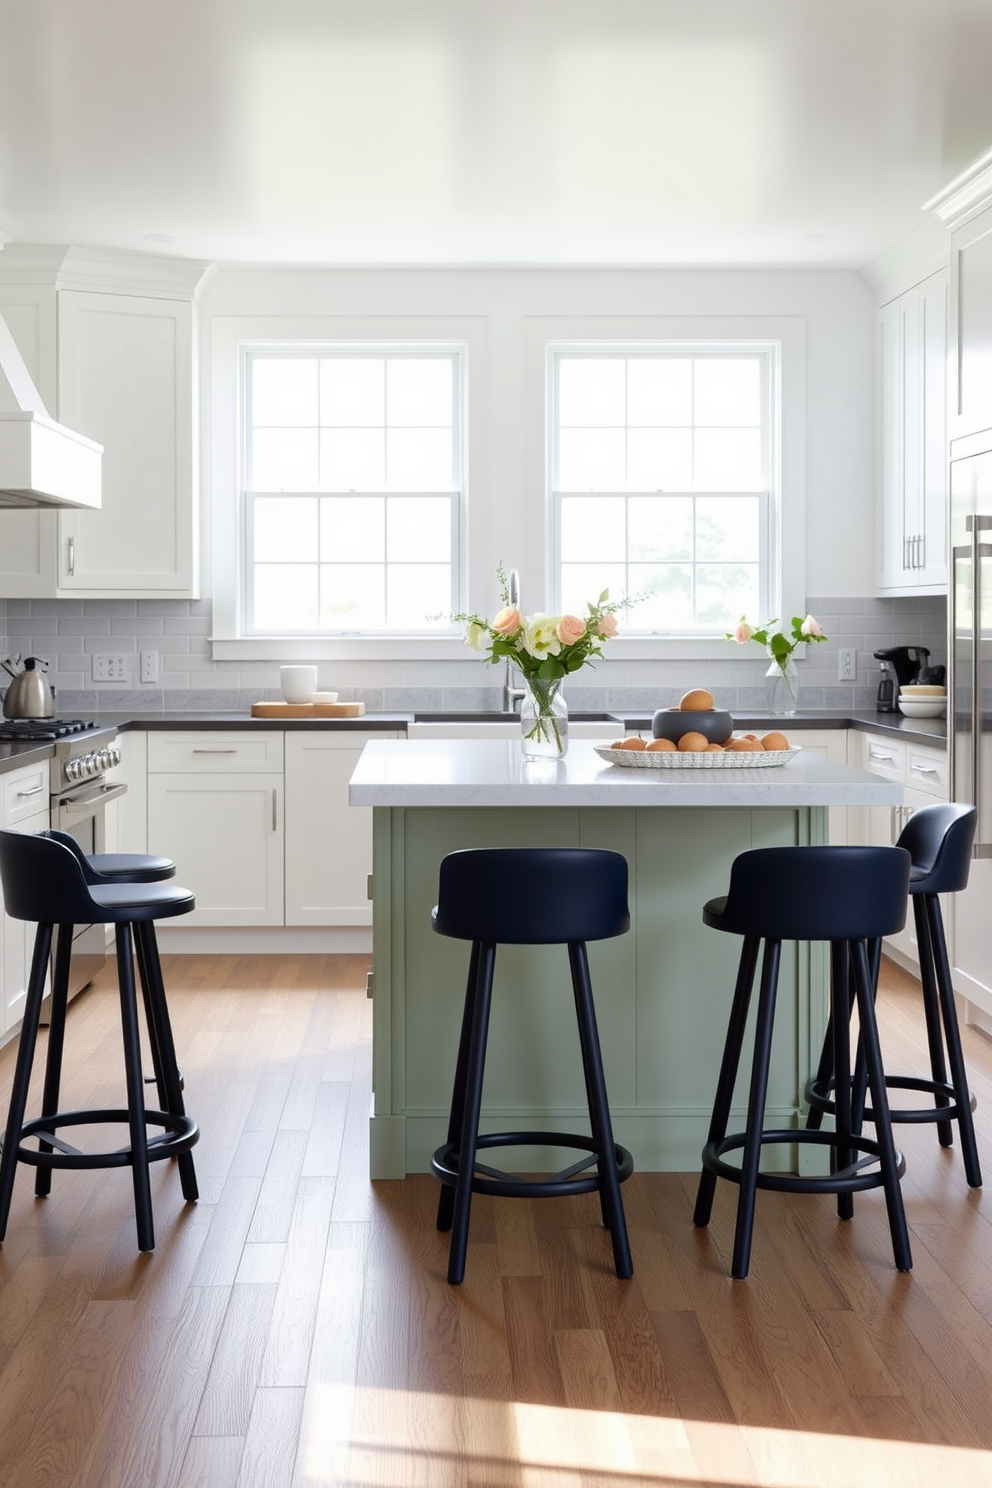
x=931, y=731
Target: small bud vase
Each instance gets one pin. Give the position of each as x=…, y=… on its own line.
x=782, y=687
x=543, y=720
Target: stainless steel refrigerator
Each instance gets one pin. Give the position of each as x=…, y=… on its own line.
x=969, y=719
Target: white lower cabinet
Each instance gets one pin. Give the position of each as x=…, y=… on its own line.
x=215, y=805
x=259, y=824
x=25, y=808
x=924, y=774
x=830, y=744
x=328, y=842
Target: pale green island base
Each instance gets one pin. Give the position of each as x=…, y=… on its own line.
x=662, y=991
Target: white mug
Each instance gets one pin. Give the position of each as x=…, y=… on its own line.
x=298, y=683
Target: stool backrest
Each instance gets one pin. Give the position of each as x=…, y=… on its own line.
x=939, y=840
x=532, y=895
x=43, y=881
x=88, y=873
x=818, y=893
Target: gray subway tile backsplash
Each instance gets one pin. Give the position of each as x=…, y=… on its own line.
x=69, y=632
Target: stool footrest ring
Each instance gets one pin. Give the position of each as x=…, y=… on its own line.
x=852, y=1179
x=819, y=1097
x=444, y=1166
x=180, y=1134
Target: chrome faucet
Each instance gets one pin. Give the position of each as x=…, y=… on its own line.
x=512, y=696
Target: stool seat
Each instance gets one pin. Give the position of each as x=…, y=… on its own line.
x=846, y=896
x=529, y=896
x=939, y=840
x=47, y=879
x=135, y=867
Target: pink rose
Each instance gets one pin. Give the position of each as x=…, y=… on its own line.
x=607, y=626
x=571, y=629
x=507, y=621
x=743, y=633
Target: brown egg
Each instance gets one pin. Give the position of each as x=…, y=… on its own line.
x=743, y=745
x=693, y=743
x=660, y=745
x=617, y=744
x=696, y=701
x=775, y=740
x=714, y=749
x=634, y=742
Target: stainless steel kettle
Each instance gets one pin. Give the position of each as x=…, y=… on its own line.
x=29, y=695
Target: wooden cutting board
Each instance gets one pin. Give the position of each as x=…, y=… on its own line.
x=307, y=710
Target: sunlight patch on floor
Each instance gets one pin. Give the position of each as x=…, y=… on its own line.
x=380, y=1438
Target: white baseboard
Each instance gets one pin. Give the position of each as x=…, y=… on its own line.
x=264, y=940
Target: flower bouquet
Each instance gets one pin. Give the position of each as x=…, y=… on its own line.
x=781, y=678
x=545, y=649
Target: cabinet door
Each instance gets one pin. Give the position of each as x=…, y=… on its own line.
x=891, y=449
x=931, y=569
x=225, y=833
x=17, y=936
x=829, y=744
x=328, y=842
x=126, y=379
x=970, y=402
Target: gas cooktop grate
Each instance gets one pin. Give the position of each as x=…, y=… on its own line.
x=43, y=728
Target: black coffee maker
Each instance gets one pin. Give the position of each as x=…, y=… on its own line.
x=900, y=666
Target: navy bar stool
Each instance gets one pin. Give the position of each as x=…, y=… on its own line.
x=529, y=896
x=939, y=840
x=847, y=896
x=44, y=882
x=108, y=868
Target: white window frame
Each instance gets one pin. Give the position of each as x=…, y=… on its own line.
x=767, y=353
x=455, y=493
x=223, y=456
x=787, y=514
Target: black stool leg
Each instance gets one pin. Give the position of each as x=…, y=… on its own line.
x=841, y=991
x=931, y=1013
x=22, y=1069
x=446, y=1198
x=144, y=1222
x=888, y=1158
x=599, y=1110
x=474, y=1072
x=751, y=1160
x=952, y=1033
x=729, y=1065
x=56, y=1045
x=161, y=1040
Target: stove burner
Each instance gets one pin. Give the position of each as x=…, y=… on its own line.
x=43, y=728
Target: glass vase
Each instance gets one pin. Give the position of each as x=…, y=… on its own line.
x=543, y=720
x=782, y=687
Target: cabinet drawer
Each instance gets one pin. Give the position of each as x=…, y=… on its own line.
x=928, y=770
x=215, y=751
x=886, y=757
x=25, y=792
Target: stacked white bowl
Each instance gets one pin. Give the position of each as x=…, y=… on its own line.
x=923, y=700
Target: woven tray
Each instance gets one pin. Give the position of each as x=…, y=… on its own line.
x=668, y=759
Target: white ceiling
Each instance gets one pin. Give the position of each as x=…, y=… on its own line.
x=488, y=131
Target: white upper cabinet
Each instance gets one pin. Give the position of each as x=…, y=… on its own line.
x=912, y=442
x=124, y=377
x=965, y=207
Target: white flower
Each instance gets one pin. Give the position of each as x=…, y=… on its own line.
x=811, y=627
x=475, y=635
x=540, y=637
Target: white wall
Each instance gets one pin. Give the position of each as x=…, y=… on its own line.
x=504, y=308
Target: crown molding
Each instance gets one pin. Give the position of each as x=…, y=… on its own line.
x=968, y=192
x=913, y=259
x=103, y=270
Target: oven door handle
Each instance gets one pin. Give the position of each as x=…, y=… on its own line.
x=74, y=808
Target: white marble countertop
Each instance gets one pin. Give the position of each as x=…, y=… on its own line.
x=492, y=772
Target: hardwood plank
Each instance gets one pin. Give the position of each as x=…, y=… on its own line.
x=228, y=1395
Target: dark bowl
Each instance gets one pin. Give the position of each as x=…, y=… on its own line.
x=671, y=723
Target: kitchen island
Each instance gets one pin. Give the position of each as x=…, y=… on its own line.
x=662, y=991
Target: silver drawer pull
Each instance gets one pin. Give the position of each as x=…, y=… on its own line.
x=35, y=790
x=924, y=770
x=876, y=754
x=214, y=751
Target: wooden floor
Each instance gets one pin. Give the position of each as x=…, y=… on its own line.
x=295, y=1328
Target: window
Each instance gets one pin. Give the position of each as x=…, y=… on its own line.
x=353, y=467
x=661, y=482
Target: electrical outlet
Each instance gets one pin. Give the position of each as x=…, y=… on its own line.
x=847, y=664
x=149, y=666
x=109, y=667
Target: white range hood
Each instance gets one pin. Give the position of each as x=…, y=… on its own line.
x=42, y=463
